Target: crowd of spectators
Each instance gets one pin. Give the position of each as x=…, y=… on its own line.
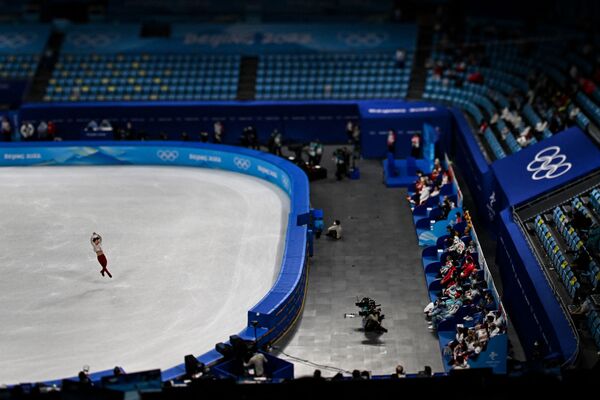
x=429, y=185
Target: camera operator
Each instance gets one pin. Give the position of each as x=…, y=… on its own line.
x=371, y=314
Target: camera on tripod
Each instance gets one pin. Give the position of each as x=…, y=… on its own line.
x=369, y=306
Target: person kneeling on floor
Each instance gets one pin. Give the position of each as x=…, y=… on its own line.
x=335, y=230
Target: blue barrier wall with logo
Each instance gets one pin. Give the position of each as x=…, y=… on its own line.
x=247, y=39
x=545, y=166
x=278, y=310
x=528, y=297
x=23, y=38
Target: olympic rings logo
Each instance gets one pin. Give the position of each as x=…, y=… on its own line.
x=548, y=164
x=242, y=163
x=168, y=155
x=366, y=39
x=15, y=40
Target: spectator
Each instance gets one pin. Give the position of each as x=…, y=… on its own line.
x=318, y=151
x=185, y=137
x=42, y=130
x=275, y=143
x=341, y=167
x=257, y=362
x=117, y=371
x=105, y=126
x=84, y=377
x=349, y=131
x=399, y=372
x=219, y=132
x=415, y=146
x=6, y=129
x=460, y=363
x=253, y=138
x=391, y=141
x=204, y=136
x=27, y=130
x=400, y=58
x=365, y=375
x=426, y=372
x=335, y=230
x=317, y=375
x=51, y=130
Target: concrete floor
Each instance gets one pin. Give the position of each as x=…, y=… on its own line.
x=378, y=257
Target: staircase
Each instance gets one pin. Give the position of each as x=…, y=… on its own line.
x=37, y=89
x=418, y=75
x=247, y=79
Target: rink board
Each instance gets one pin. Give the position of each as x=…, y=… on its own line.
x=280, y=307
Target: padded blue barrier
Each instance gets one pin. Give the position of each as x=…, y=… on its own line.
x=297, y=121
x=544, y=166
x=473, y=166
x=278, y=310
x=528, y=296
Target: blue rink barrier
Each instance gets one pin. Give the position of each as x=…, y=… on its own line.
x=281, y=306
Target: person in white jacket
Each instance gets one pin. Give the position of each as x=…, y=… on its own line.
x=335, y=230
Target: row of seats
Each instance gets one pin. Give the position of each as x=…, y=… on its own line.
x=331, y=79
x=593, y=320
x=223, y=89
x=595, y=199
x=322, y=95
x=142, y=81
x=146, y=57
x=138, y=97
x=145, y=73
x=556, y=256
x=18, y=66
x=334, y=76
x=574, y=242
x=291, y=57
x=144, y=77
x=589, y=106
x=94, y=65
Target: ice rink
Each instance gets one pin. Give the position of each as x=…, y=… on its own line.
x=190, y=250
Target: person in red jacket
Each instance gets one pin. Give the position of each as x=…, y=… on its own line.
x=468, y=268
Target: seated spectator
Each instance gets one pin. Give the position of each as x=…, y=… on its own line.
x=400, y=58
x=399, y=372
x=460, y=363
x=6, y=129
x=468, y=268
x=475, y=77
x=257, y=362
x=335, y=230
x=426, y=373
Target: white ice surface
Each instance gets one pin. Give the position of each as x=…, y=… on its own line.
x=190, y=250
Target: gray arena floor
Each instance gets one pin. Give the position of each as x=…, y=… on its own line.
x=378, y=257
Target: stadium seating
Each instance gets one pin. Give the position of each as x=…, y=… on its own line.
x=331, y=76
x=139, y=77
x=508, y=81
x=18, y=66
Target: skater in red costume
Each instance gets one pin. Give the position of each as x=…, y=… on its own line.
x=96, y=244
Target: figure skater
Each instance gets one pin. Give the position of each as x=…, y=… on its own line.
x=96, y=243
